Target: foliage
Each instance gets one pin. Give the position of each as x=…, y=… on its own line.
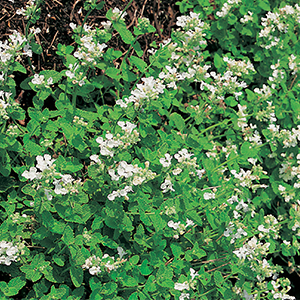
x=185, y=188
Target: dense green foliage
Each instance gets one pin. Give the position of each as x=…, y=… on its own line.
x=185, y=188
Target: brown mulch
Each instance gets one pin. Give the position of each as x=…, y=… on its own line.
x=56, y=16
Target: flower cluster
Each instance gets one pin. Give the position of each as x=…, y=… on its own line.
x=40, y=80
x=133, y=175
x=276, y=23
x=193, y=28
x=277, y=75
x=247, y=18
x=270, y=228
x=107, y=263
x=179, y=227
x=227, y=6
x=184, y=162
x=143, y=24
x=246, y=178
x=252, y=249
x=187, y=285
x=79, y=121
x=4, y=103
x=187, y=60
x=235, y=231
x=223, y=84
x=8, y=252
x=44, y=174
x=90, y=50
x=240, y=206
x=75, y=75
x=293, y=63
x=12, y=130
x=118, y=14
x=251, y=253
x=10, y=50
x=129, y=137
x=29, y=10
x=145, y=92
x=239, y=67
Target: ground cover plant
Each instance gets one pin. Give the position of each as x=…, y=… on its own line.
x=184, y=185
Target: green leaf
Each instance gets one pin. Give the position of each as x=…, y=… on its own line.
x=6, y=183
x=218, y=278
x=178, y=120
x=137, y=47
x=59, y=260
x=29, y=190
x=176, y=250
x=24, y=84
x=133, y=296
x=232, y=19
x=36, y=48
x=264, y=4
x=218, y=61
x=129, y=281
x=78, y=143
x=113, y=73
x=85, y=90
x=125, y=34
x=128, y=76
x=108, y=288
x=145, y=268
x=76, y=275
x=100, y=5
x=134, y=259
x=139, y=63
x=14, y=286
x=18, y=67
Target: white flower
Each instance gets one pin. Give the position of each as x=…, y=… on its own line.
x=166, y=161
x=126, y=126
x=208, y=196
x=95, y=270
x=181, y=286
x=121, y=252
x=50, y=81
x=95, y=158
x=184, y=296
x=48, y=194
x=38, y=79
x=189, y=223
x=70, y=74
x=31, y=174
x=167, y=186
x=43, y=163
x=193, y=273
x=72, y=25
x=120, y=13
x=106, y=24
x=174, y=225
x=177, y=171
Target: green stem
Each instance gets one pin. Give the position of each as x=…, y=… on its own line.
x=126, y=55
x=124, y=10
x=26, y=35
x=84, y=20
x=74, y=96
x=113, y=130
x=18, y=125
x=224, y=163
x=213, y=126
x=207, y=292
